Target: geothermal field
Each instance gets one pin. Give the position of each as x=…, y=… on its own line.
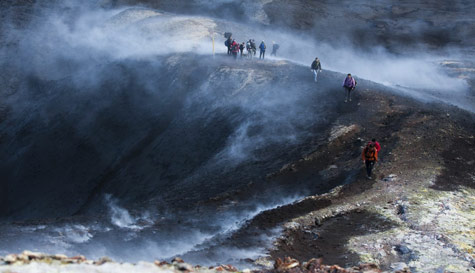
x=131, y=141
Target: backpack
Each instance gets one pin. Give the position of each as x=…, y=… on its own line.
x=369, y=153
x=235, y=47
x=226, y=43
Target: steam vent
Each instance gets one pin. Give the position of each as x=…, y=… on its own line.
x=226, y=136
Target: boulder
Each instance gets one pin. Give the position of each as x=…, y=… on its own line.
x=10, y=259
x=286, y=264
x=177, y=260
x=29, y=255
x=59, y=257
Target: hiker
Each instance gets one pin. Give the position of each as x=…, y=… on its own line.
x=241, y=48
x=249, y=49
x=376, y=144
x=228, y=45
x=253, y=47
x=262, y=48
x=274, y=49
x=369, y=156
x=235, y=49
x=316, y=67
x=349, y=84
x=228, y=42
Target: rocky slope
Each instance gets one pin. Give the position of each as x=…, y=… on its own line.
x=38, y=262
x=226, y=142
x=417, y=214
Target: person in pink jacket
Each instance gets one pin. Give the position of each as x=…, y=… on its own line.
x=349, y=84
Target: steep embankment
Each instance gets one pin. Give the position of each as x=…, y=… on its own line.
x=143, y=151
x=155, y=129
x=418, y=212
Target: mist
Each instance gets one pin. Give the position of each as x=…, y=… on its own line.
x=130, y=113
x=94, y=35
x=133, y=236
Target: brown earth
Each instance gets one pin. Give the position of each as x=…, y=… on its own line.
x=419, y=141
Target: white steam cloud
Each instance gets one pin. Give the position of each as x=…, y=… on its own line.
x=52, y=47
x=144, y=33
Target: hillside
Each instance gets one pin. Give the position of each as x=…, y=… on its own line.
x=125, y=132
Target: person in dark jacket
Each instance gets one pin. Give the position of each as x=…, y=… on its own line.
x=249, y=49
x=349, y=84
x=262, y=48
x=253, y=47
x=241, y=48
x=369, y=156
x=228, y=43
x=316, y=67
x=274, y=49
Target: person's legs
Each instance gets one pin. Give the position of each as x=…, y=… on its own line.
x=347, y=93
x=314, y=75
x=369, y=167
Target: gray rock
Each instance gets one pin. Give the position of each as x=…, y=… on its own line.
x=402, y=249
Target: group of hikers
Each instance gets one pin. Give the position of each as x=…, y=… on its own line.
x=235, y=48
x=349, y=83
x=370, y=151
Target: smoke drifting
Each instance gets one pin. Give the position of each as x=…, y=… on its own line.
x=125, y=110
x=87, y=35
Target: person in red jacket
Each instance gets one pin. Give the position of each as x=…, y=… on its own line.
x=369, y=156
x=376, y=144
x=235, y=48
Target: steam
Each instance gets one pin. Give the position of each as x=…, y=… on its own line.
x=120, y=240
x=77, y=47
x=121, y=217
x=96, y=34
